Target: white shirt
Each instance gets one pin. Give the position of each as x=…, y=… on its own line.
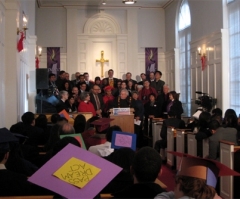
x=2, y=166
x=102, y=150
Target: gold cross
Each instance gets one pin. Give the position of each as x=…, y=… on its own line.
x=102, y=61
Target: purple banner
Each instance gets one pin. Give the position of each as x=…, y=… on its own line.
x=151, y=60
x=53, y=60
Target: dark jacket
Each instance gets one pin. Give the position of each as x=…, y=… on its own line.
x=92, y=100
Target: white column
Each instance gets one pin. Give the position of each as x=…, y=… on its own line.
x=132, y=31
x=31, y=73
x=225, y=70
x=177, y=70
x=72, y=32
x=11, y=75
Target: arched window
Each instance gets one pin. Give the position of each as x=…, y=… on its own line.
x=184, y=35
x=184, y=16
x=234, y=53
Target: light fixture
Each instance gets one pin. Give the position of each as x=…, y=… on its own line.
x=39, y=51
x=129, y=2
x=104, y=2
x=24, y=24
x=203, y=58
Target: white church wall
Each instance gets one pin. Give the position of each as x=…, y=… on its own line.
x=208, y=80
x=2, y=62
x=51, y=27
x=151, y=29
x=125, y=47
x=18, y=65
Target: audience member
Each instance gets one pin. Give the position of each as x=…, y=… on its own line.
x=11, y=183
x=143, y=78
x=218, y=134
x=146, y=168
x=60, y=80
x=122, y=157
x=79, y=123
x=66, y=128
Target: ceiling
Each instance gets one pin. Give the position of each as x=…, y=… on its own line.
x=98, y=3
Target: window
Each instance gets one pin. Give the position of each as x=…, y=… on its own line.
x=184, y=35
x=184, y=16
x=234, y=54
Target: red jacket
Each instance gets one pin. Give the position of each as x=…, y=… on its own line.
x=86, y=107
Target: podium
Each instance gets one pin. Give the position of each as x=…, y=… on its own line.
x=125, y=122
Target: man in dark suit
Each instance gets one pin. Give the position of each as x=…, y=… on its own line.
x=97, y=100
x=60, y=80
x=76, y=80
x=110, y=80
x=171, y=121
x=128, y=78
x=158, y=83
x=61, y=104
x=11, y=183
x=88, y=82
x=143, y=77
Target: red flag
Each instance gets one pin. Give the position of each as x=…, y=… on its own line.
x=20, y=42
x=37, y=62
x=204, y=62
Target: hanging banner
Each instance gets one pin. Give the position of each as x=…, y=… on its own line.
x=151, y=60
x=53, y=60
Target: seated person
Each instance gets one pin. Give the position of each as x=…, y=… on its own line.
x=71, y=105
x=122, y=157
x=218, y=134
x=105, y=149
x=203, y=131
x=85, y=105
x=61, y=104
x=146, y=168
x=123, y=100
x=11, y=183
x=196, y=178
x=173, y=122
x=27, y=128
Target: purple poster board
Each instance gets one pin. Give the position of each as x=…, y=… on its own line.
x=53, y=60
x=122, y=139
x=44, y=176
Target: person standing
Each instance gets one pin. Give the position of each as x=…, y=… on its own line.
x=97, y=100
x=158, y=83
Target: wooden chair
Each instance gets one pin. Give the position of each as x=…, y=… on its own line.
x=181, y=144
x=205, y=144
x=171, y=141
x=191, y=144
x=156, y=128
x=227, y=153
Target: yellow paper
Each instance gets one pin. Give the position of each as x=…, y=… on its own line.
x=77, y=172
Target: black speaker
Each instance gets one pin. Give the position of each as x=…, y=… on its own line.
x=42, y=78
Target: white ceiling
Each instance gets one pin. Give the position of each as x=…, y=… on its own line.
x=98, y=3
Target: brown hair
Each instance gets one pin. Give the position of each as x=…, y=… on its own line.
x=195, y=187
x=174, y=94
